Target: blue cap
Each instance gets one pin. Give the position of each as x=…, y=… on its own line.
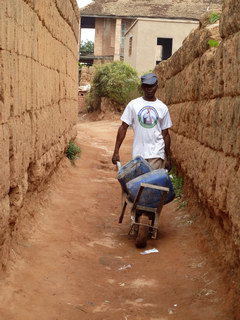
x=149, y=79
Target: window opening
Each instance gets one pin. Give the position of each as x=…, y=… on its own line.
x=164, y=49
x=130, y=46
x=123, y=31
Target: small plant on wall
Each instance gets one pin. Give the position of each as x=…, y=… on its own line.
x=213, y=43
x=178, y=184
x=214, y=17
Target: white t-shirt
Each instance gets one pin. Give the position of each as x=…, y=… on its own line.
x=148, y=119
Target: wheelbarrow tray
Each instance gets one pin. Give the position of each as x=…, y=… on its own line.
x=150, y=196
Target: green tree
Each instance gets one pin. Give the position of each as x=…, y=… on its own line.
x=117, y=81
x=86, y=47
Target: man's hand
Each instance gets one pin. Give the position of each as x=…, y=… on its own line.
x=167, y=141
x=115, y=158
x=120, y=137
x=168, y=164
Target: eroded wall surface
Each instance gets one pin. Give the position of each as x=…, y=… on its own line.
x=38, y=98
x=202, y=87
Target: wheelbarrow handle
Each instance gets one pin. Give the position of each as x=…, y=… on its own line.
x=118, y=165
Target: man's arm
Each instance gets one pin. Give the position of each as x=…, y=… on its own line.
x=167, y=141
x=120, y=137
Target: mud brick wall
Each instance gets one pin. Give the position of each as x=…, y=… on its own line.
x=86, y=75
x=38, y=98
x=201, y=85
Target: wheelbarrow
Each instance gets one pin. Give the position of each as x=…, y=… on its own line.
x=144, y=219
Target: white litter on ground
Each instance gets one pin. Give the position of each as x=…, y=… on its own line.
x=125, y=267
x=149, y=251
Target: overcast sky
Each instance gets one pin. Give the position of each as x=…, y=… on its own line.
x=82, y=3
x=86, y=34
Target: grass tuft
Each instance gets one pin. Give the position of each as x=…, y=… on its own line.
x=73, y=151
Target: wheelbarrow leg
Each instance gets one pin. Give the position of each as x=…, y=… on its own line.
x=157, y=214
x=123, y=211
x=155, y=225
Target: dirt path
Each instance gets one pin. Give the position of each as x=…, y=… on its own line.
x=72, y=265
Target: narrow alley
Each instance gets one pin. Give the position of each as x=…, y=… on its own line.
x=79, y=263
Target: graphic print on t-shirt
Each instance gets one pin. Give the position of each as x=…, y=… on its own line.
x=148, y=117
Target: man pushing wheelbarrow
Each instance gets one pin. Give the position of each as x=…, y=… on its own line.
x=150, y=120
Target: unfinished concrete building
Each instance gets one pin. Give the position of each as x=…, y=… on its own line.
x=112, y=20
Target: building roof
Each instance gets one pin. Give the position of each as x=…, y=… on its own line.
x=190, y=9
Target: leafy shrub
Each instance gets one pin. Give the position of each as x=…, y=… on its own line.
x=73, y=151
x=116, y=81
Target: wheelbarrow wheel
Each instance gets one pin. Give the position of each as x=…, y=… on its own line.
x=142, y=235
